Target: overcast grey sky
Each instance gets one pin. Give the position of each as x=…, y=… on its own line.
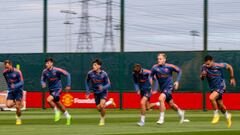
x=152, y=25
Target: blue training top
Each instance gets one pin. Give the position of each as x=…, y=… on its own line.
x=13, y=77
x=163, y=73
x=142, y=81
x=53, y=77
x=96, y=80
x=214, y=75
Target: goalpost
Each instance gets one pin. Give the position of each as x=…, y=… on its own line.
x=3, y=93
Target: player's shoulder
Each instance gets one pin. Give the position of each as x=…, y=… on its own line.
x=17, y=70
x=104, y=72
x=59, y=69
x=220, y=64
x=44, y=70
x=203, y=65
x=4, y=71
x=90, y=72
x=155, y=66
x=171, y=65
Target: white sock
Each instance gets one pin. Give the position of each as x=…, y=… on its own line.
x=215, y=112
x=142, y=118
x=161, y=116
x=109, y=102
x=157, y=103
x=226, y=114
x=180, y=112
x=55, y=110
x=66, y=114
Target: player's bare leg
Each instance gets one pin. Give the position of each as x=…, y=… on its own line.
x=57, y=113
x=227, y=115
x=101, y=108
x=60, y=106
x=151, y=105
x=10, y=103
x=64, y=111
x=50, y=101
x=162, y=108
x=214, y=95
x=176, y=108
x=18, y=107
x=143, y=103
x=18, y=112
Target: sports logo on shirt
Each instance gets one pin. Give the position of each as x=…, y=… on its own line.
x=54, y=73
x=165, y=69
x=14, y=75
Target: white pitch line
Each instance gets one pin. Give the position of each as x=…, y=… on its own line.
x=169, y=132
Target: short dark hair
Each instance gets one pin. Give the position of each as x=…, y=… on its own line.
x=137, y=68
x=208, y=57
x=8, y=62
x=98, y=61
x=49, y=59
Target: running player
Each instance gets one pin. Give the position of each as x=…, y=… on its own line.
x=214, y=74
x=163, y=73
x=15, y=83
x=142, y=85
x=100, y=83
x=52, y=75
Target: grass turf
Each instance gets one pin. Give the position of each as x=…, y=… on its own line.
x=85, y=121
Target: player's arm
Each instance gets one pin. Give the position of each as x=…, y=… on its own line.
x=43, y=79
x=154, y=79
x=67, y=74
x=135, y=84
x=148, y=72
x=179, y=75
x=107, y=81
x=87, y=85
x=20, y=83
x=232, y=79
x=203, y=73
x=4, y=74
x=154, y=84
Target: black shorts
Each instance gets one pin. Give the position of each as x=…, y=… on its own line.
x=56, y=94
x=168, y=94
x=15, y=95
x=220, y=93
x=145, y=93
x=99, y=96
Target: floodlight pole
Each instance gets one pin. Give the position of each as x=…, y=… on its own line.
x=122, y=27
x=45, y=4
x=205, y=48
x=45, y=19
x=122, y=6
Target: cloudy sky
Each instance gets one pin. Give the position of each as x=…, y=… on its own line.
x=152, y=25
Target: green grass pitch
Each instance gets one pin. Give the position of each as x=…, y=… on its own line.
x=118, y=122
